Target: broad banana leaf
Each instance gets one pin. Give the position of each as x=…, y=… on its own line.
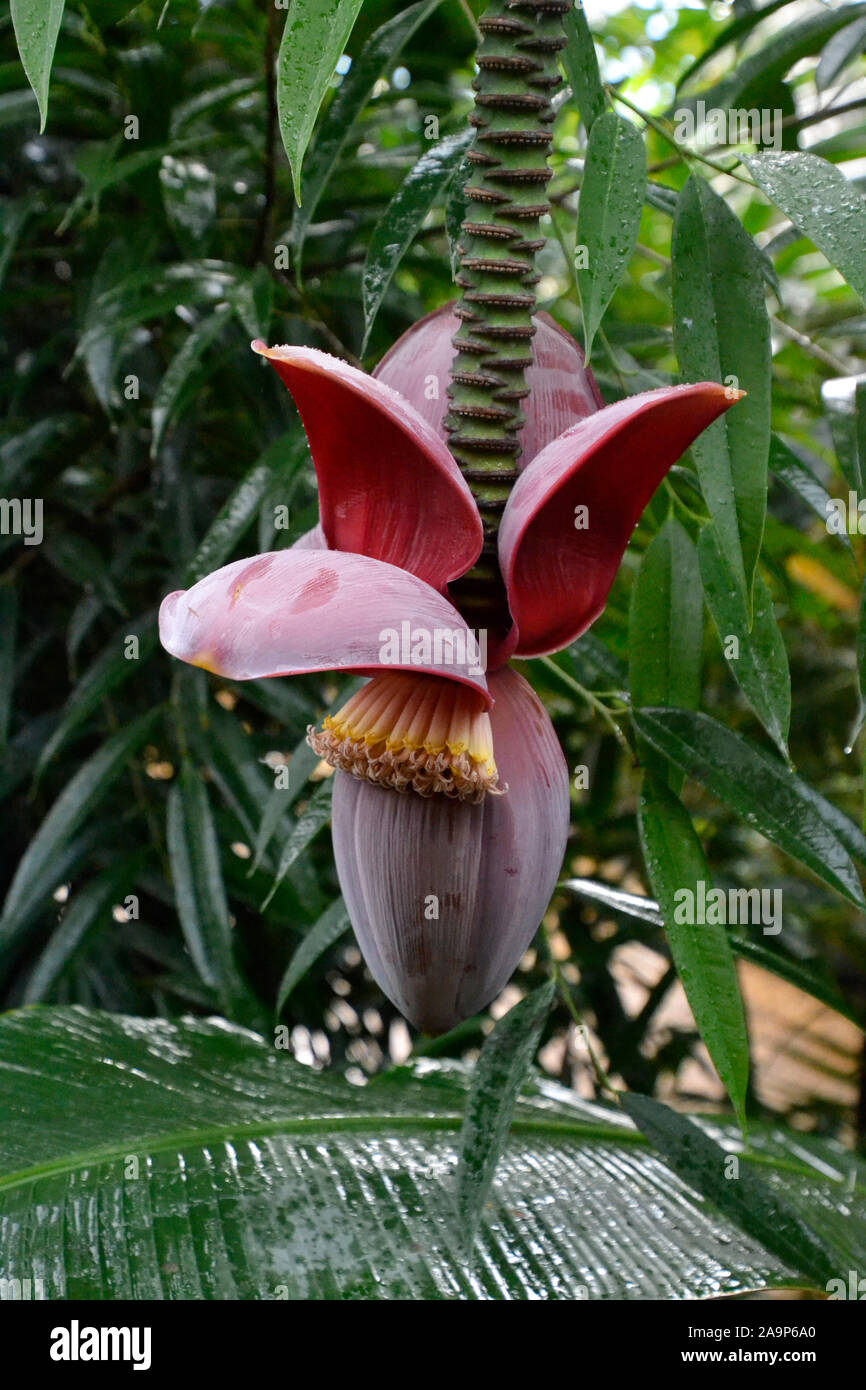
x=194, y=1160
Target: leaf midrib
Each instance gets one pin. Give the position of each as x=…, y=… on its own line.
x=355, y=1124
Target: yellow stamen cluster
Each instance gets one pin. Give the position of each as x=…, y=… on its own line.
x=413, y=732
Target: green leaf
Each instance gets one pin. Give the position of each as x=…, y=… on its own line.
x=797, y=974
x=666, y=627
x=333, y=923
x=788, y=463
x=499, y=1074
x=768, y=796
x=232, y=521
x=81, y=562
x=301, y=763
x=643, y=909
x=595, y=665
x=822, y=203
x=198, y=886
x=224, y=746
x=314, y=37
x=351, y=97
x=314, y=815
x=609, y=213
x=738, y=1191
x=722, y=333
x=37, y=24
x=764, y=68
x=844, y=401
x=252, y=298
x=8, y=633
x=394, y=233
x=100, y=170
x=281, y=459
x=99, y=345
x=89, y=909
x=189, y=196
x=107, y=673
x=181, y=375
x=702, y=953
x=220, y=95
x=760, y=666
x=342, y=1192
x=71, y=810
x=581, y=66
x=14, y=216
x=732, y=33
x=860, y=717
x=842, y=49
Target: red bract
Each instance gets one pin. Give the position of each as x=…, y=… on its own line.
x=451, y=802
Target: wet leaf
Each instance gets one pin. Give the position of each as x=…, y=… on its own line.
x=89, y=910
x=351, y=97
x=643, y=909
x=702, y=952
x=760, y=666
x=314, y=815
x=825, y=206
x=37, y=24
x=609, y=213
x=737, y=1190
x=107, y=673
x=768, y=796
x=174, y=389
x=499, y=1074
x=333, y=923
x=199, y=889
x=788, y=463
x=722, y=333
x=393, y=235
x=70, y=810
x=189, y=194
x=581, y=66
x=345, y=1191
x=666, y=629
x=314, y=37
x=282, y=458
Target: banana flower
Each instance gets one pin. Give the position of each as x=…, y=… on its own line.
x=451, y=797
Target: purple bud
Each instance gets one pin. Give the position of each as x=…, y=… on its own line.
x=445, y=895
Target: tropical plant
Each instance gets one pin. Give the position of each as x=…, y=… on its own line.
x=182, y=177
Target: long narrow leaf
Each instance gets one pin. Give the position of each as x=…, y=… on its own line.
x=72, y=807
x=37, y=25
x=378, y=53
x=756, y=656
x=763, y=791
x=611, y=203
x=314, y=37
x=499, y=1074
x=701, y=950
x=393, y=235
x=722, y=333
x=332, y=924
x=737, y=1191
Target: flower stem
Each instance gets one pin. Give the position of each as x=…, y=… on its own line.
x=506, y=198
x=592, y=700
